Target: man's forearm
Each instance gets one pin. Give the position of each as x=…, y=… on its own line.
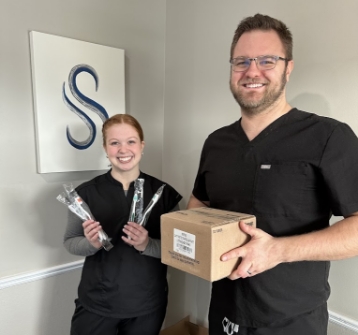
x=336, y=242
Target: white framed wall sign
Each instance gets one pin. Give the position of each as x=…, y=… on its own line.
x=76, y=86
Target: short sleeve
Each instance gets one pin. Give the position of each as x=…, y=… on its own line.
x=339, y=167
x=171, y=198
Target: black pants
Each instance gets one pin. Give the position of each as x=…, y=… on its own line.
x=88, y=323
x=311, y=323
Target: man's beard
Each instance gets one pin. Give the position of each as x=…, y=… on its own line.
x=251, y=106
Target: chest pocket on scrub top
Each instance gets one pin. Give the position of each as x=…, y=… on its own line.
x=279, y=188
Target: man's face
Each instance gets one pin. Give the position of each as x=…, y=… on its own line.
x=258, y=90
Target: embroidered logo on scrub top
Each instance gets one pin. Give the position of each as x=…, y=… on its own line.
x=265, y=166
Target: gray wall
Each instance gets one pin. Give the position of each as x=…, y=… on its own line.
x=177, y=75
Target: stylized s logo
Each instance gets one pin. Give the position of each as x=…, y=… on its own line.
x=84, y=101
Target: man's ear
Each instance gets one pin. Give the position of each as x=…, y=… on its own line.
x=289, y=69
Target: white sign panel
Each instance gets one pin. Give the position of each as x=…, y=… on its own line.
x=77, y=86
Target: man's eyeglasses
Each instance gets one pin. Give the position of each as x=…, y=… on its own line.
x=268, y=62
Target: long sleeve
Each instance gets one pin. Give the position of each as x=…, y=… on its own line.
x=153, y=248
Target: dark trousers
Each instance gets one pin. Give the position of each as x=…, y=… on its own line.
x=88, y=323
x=311, y=323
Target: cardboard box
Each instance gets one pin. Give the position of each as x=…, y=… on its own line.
x=193, y=240
x=185, y=327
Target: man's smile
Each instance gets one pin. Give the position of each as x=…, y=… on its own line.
x=253, y=85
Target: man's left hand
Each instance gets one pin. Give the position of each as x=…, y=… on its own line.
x=258, y=255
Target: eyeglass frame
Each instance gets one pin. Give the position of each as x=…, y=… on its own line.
x=256, y=59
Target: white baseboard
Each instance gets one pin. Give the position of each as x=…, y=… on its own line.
x=343, y=321
x=57, y=270
x=38, y=275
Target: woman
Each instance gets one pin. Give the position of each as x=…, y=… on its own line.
x=123, y=290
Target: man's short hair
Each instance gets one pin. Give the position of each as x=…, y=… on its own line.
x=264, y=22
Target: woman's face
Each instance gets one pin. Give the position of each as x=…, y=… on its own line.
x=123, y=147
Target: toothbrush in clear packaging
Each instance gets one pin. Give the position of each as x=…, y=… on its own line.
x=150, y=206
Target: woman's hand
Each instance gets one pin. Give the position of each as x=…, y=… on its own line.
x=138, y=236
x=90, y=230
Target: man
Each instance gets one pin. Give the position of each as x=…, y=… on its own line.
x=292, y=170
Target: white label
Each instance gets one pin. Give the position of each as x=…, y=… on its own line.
x=184, y=243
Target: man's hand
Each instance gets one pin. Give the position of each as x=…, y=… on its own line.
x=258, y=255
x=138, y=236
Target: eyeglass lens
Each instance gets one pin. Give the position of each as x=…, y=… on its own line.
x=262, y=62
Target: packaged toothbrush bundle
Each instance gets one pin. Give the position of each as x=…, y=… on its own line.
x=136, y=212
x=75, y=204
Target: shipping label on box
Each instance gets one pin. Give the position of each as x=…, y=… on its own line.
x=184, y=243
x=193, y=240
